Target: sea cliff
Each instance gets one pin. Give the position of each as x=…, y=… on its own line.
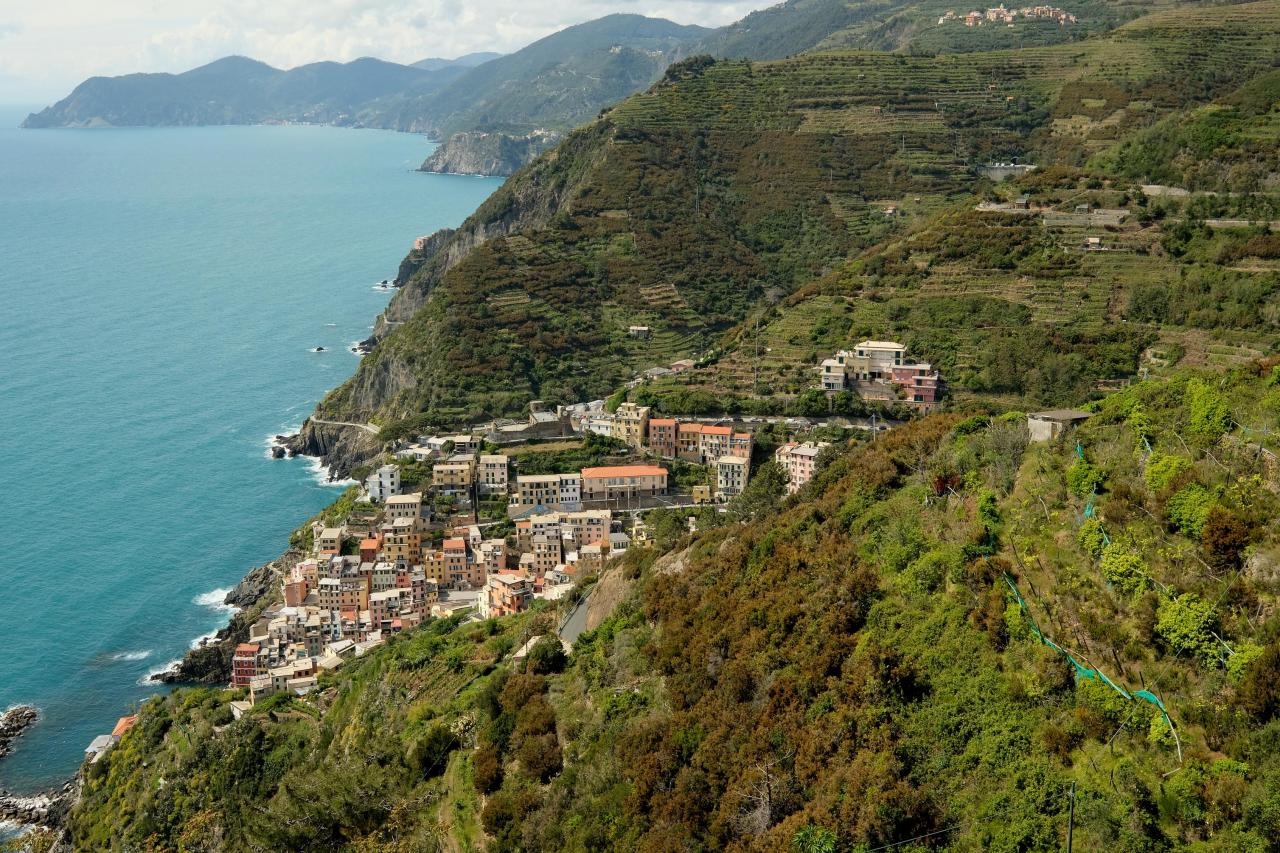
x=481, y=153
x=210, y=663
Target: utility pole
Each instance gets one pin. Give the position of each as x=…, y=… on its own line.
x=1071, y=816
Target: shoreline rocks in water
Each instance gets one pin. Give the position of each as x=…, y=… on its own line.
x=339, y=447
x=210, y=663
x=13, y=723
x=47, y=809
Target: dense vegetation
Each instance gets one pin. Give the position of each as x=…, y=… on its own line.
x=732, y=187
x=845, y=670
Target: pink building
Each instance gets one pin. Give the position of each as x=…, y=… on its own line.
x=920, y=381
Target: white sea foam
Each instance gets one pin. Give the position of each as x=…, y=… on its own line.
x=320, y=473
x=140, y=654
x=213, y=598
x=203, y=638
x=156, y=670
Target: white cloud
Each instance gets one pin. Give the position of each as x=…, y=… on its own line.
x=47, y=51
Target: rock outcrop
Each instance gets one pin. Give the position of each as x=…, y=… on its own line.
x=13, y=723
x=340, y=447
x=210, y=663
x=480, y=153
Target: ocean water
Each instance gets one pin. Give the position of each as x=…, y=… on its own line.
x=162, y=290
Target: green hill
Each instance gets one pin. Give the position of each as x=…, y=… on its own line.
x=733, y=184
x=935, y=640
x=564, y=79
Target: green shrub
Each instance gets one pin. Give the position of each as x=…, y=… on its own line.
x=928, y=572
x=1123, y=570
x=1209, y=416
x=1239, y=663
x=547, y=656
x=1163, y=469
x=1083, y=479
x=1140, y=423
x=1188, y=510
x=1091, y=537
x=1185, y=624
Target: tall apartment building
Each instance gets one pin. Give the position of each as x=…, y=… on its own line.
x=662, y=436
x=797, y=460
x=731, y=476
x=383, y=483
x=491, y=475
x=630, y=424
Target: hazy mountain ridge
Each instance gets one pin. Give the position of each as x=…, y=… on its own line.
x=556, y=82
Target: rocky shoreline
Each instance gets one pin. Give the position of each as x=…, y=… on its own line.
x=339, y=447
x=13, y=723
x=44, y=809
x=210, y=662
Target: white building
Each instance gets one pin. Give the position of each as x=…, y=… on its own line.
x=731, y=475
x=491, y=475
x=383, y=483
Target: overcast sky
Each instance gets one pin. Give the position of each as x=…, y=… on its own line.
x=48, y=46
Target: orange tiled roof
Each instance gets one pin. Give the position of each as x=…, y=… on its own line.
x=369, y=544
x=716, y=430
x=624, y=471
x=247, y=649
x=662, y=422
x=453, y=544
x=123, y=725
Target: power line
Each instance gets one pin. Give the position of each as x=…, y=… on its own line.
x=918, y=837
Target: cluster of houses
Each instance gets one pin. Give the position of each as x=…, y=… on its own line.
x=367, y=580
x=392, y=565
x=1001, y=15
x=882, y=370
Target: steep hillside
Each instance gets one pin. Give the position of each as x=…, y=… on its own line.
x=564, y=79
x=941, y=639
x=731, y=181
x=792, y=27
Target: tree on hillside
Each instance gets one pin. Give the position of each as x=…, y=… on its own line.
x=763, y=493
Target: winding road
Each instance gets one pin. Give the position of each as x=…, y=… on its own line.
x=369, y=428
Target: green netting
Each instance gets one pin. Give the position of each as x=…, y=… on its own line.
x=1081, y=669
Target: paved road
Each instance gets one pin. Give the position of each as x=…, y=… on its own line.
x=576, y=622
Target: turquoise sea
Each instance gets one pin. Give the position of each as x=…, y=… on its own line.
x=162, y=291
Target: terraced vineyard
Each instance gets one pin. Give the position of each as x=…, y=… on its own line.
x=685, y=206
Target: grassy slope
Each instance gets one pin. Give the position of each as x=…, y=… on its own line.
x=851, y=669
x=687, y=204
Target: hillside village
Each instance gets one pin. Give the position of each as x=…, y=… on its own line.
x=471, y=524
x=1001, y=15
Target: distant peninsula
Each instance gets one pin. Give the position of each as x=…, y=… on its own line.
x=512, y=107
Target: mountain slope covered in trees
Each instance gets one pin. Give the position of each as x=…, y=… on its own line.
x=732, y=184
x=934, y=640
